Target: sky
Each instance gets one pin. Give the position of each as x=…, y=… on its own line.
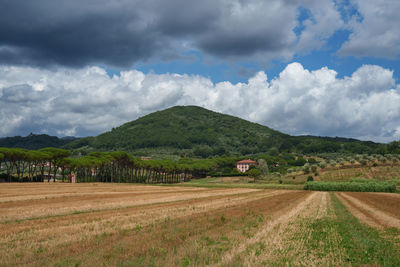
x=303, y=67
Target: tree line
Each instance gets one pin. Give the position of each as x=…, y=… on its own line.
x=18, y=164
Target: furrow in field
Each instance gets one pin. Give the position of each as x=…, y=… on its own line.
x=199, y=239
x=19, y=192
x=26, y=209
x=54, y=231
x=309, y=239
x=386, y=202
x=371, y=213
x=301, y=237
x=29, y=200
x=270, y=232
x=256, y=228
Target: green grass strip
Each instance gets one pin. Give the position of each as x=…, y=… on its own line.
x=362, y=244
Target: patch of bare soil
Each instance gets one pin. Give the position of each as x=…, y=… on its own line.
x=376, y=210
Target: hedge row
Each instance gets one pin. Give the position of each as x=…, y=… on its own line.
x=364, y=186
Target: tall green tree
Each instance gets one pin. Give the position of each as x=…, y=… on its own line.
x=13, y=160
x=1, y=160
x=262, y=166
x=56, y=155
x=254, y=173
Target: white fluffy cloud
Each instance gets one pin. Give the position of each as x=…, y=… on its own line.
x=298, y=101
x=324, y=20
x=374, y=29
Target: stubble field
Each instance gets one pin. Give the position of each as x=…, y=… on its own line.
x=138, y=225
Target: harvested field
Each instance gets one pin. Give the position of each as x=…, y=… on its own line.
x=70, y=198
x=375, y=209
x=137, y=225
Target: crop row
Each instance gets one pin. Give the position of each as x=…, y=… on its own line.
x=354, y=186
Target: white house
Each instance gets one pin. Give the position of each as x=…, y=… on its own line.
x=244, y=165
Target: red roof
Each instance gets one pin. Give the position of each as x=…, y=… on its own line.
x=247, y=161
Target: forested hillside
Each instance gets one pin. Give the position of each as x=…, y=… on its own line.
x=34, y=141
x=203, y=131
x=195, y=131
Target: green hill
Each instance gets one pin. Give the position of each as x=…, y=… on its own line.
x=187, y=127
x=195, y=131
x=35, y=141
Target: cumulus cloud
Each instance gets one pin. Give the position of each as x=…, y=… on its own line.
x=374, y=29
x=120, y=33
x=87, y=101
x=323, y=21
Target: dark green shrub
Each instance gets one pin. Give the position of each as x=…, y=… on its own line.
x=254, y=173
x=306, y=169
x=310, y=178
x=312, y=161
x=313, y=168
x=300, y=161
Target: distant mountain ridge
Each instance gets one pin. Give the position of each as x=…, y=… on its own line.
x=201, y=132
x=35, y=141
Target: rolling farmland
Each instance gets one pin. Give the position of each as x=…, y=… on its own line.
x=95, y=224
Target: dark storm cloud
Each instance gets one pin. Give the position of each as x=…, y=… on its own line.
x=120, y=33
x=243, y=45
x=20, y=94
x=185, y=18
x=76, y=33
